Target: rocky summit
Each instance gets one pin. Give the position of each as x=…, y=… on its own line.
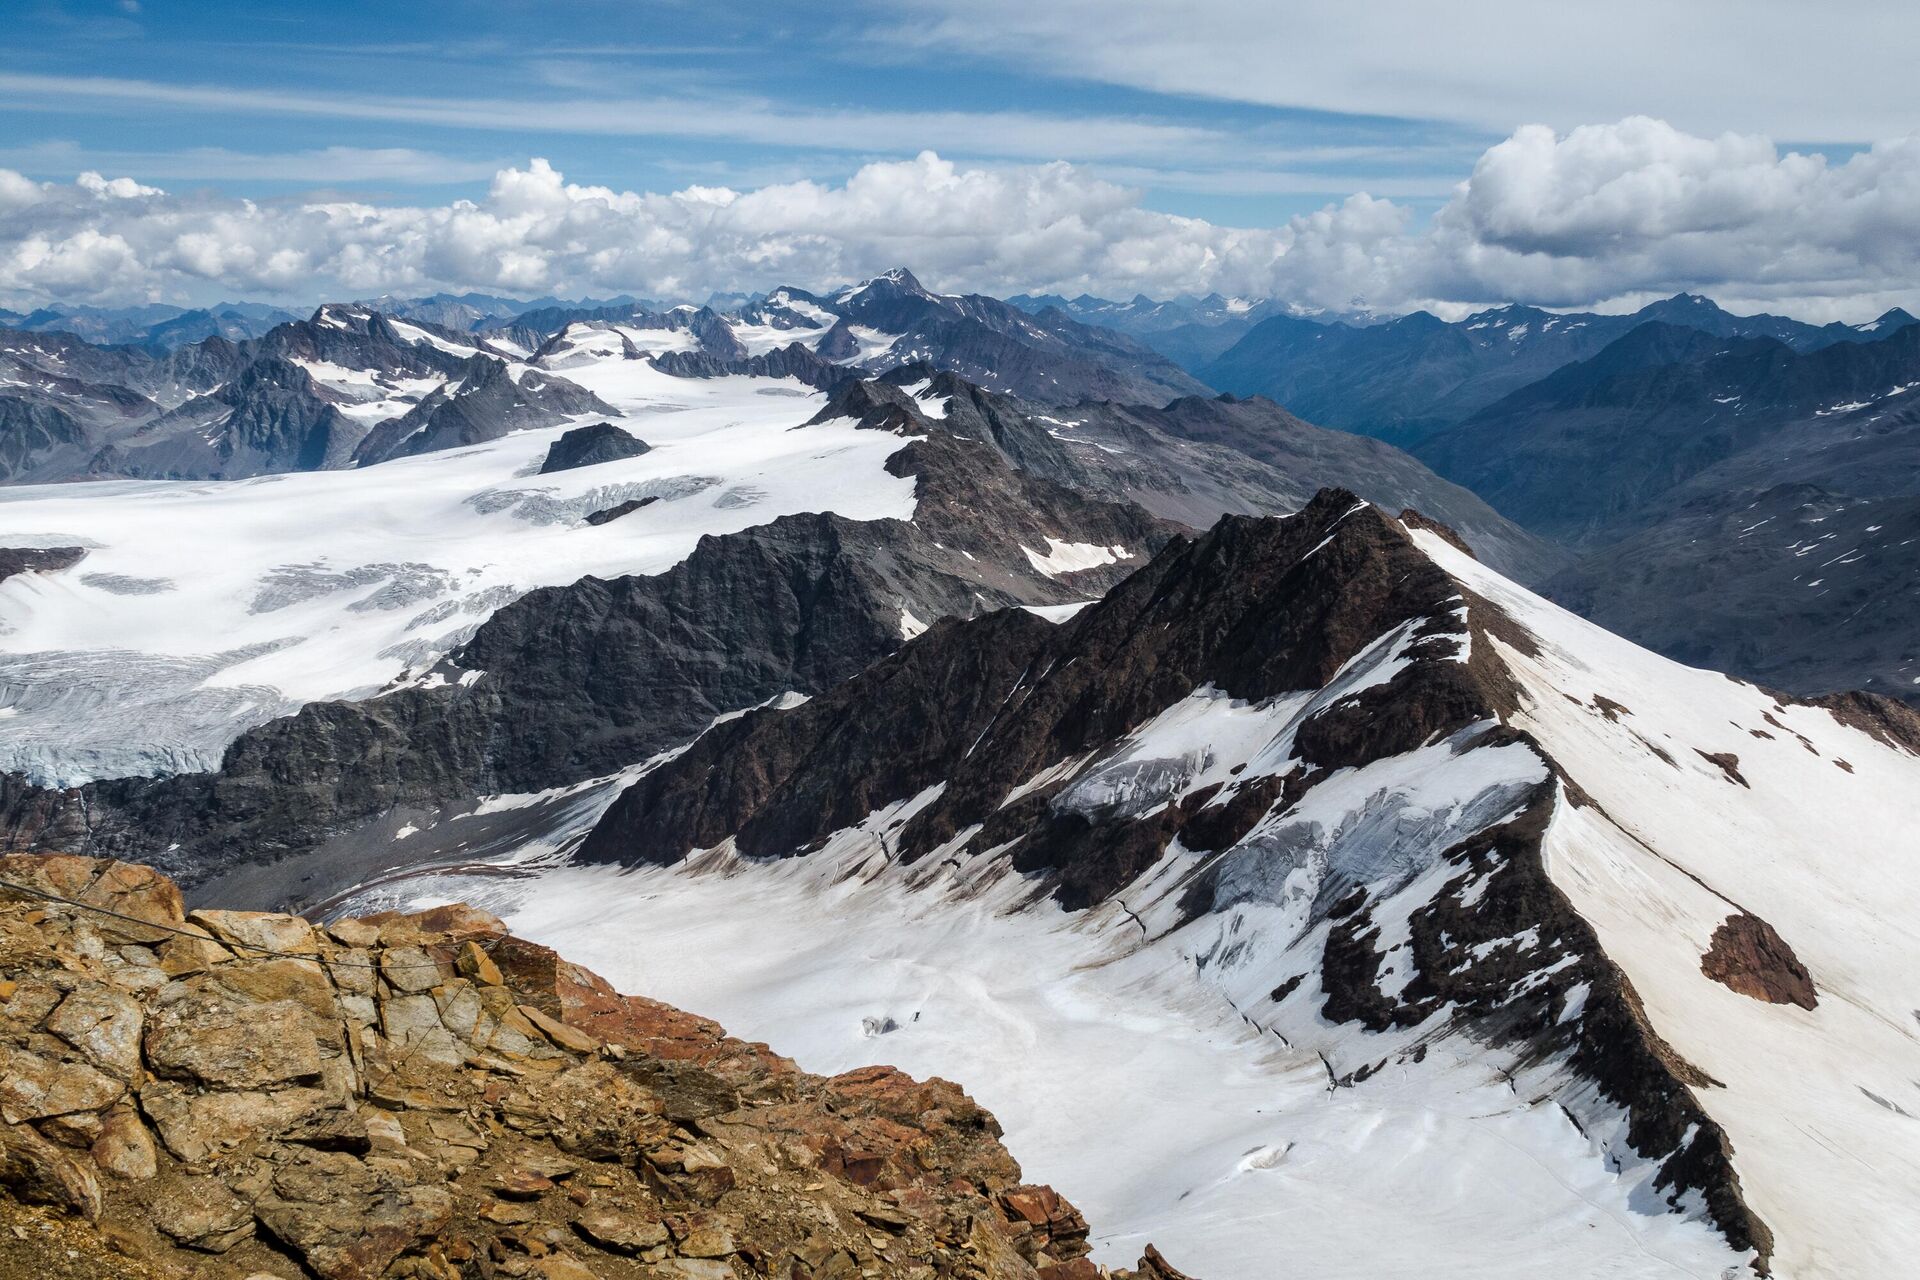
x=246, y=1095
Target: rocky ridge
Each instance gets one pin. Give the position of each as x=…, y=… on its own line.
x=242, y=1094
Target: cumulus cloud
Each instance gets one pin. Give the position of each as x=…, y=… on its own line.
x=1602, y=215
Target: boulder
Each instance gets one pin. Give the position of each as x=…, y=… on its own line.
x=197, y=1126
x=104, y=1025
x=259, y=932
x=37, y=1171
x=348, y=1218
x=33, y=1087
x=124, y=1148
x=201, y=1213
x=208, y=1034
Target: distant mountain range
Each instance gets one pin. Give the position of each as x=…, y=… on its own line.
x=1407, y=378
x=1592, y=437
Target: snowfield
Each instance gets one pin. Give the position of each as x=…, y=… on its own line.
x=1823, y=843
x=1137, y=1063
x=203, y=608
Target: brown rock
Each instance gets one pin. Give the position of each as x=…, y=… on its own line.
x=122, y=887
x=182, y=956
x=476, y=964
x=201, y=1213
x=196, y=1126
x=349, y=1219
x=257, y=933
x=1747, y=955
x=207, y=1034
x=704, y=1235
x=559, y=1032
x=696, y=1269
x=411, y=969
x=124, y=1148
x=562, y=1267
x=103, y=1024
x=39, y=1172
x=619, y=1230
x=303, y=982
x=520, y=1184
x=32, y=1087
x=456, y=922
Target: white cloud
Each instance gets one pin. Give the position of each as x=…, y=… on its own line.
x=1603, y=215
x=1789, y=68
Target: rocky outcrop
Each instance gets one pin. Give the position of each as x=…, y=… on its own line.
x=234, y=1094
x=796, y=361
x=38, y=559
x=588, y=446
x=1748, y=955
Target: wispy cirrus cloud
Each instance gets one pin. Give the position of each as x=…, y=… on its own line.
x=1009, y=134
x=1791, y=70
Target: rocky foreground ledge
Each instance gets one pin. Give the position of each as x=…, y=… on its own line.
x=248, y=1095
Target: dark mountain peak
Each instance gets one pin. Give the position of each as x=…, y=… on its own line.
x=591, y=445
x=885, y=287
x=1889, y=320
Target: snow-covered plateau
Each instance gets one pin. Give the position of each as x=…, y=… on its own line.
x=203, y=608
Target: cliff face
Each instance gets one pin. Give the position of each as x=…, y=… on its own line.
x=247, y=1095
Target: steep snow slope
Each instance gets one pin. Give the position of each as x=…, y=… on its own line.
x=203, y=607
x=1812, y=826
x=1395, y=919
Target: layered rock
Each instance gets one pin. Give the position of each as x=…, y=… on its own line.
x=238, y=1094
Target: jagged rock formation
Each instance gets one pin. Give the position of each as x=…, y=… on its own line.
x=235, y=1094
x=484, y=402
x=587, y=446
x=38, y=559
x=1322, y=759
x=1197, y=458
x=574, y=682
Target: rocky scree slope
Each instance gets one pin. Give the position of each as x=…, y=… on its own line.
x=1361, y=784
x=233, y=1094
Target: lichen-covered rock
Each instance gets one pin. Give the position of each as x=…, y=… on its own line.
x=425, y=1097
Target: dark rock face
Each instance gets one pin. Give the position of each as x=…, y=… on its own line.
x=1590, y=453
x=627, y=508
x=814, y=368
x=486, y=404
x=32, y=434
x=581, y=681
x=1748, y=955
x=272, y=417
x=587, y=446
x=1196, y=459
x=38, y=559
x=1199, y=613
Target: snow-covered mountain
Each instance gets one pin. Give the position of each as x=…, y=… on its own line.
x=901, y=710
x=1444, y=930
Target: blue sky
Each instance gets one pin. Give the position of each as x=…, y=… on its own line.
x=1398, y=153
x=644, y=96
